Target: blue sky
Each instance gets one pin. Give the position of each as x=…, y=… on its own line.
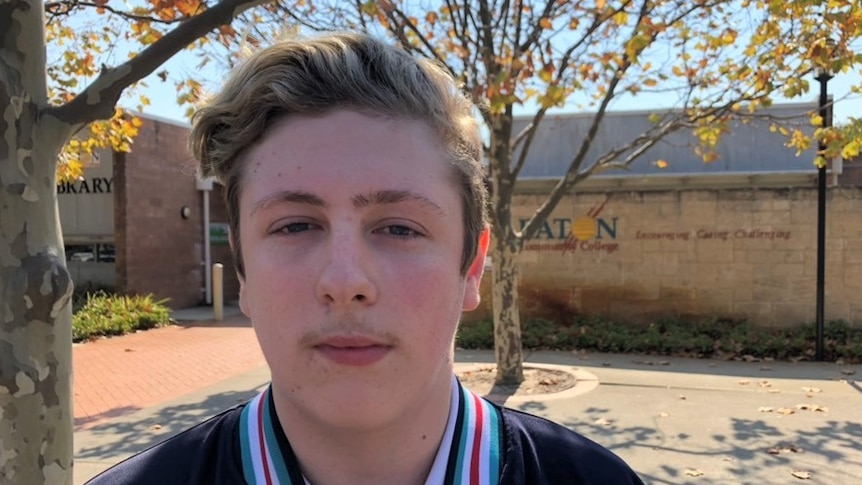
x=163, y=95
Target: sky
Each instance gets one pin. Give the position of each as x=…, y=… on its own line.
x=163, y=95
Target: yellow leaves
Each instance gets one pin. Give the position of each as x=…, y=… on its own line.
x=798, y=140
x=69, y=169
x=546, y=74
x=816, y=120
x=555, y=96
x=851, y=150
x=661, y=163
x=636, y=45
x=620, y=18
x=545, y=23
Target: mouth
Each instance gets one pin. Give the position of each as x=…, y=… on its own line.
x=353, y=351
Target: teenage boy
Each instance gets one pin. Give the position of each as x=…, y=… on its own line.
x=357, y=211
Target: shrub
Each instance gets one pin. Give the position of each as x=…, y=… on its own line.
x=671, y=336
x=105, y=314
x=82, y=292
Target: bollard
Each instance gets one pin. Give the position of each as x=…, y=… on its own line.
x=218, y=294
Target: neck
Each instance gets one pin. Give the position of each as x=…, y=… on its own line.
x=399, y=451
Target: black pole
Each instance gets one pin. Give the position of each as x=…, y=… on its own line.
x=824, y=78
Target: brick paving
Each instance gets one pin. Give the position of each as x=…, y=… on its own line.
x=119, y=375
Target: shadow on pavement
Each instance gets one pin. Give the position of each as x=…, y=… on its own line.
x=745, y=455
x=123, y=437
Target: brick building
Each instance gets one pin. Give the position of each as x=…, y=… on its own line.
x=136, y=222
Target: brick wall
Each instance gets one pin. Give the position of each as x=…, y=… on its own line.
x=737, y=253
x=158, y=251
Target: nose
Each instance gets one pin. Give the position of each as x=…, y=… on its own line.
x=345, y=277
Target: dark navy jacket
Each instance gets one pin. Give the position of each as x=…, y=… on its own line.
x=536, y=452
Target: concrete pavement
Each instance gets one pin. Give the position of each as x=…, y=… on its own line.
x=675, y=421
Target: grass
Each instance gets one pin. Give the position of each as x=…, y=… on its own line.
x=102, y=314
x=715, y=338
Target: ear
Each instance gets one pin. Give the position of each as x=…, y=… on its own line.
x=474, y=273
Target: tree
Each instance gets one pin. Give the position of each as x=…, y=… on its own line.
x=721, y=59
x=37, y=122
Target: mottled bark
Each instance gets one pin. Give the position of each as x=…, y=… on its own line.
x=35, y=287
x=507, y=319
x=35, y=319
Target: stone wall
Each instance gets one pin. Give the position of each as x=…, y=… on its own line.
x=730, y=253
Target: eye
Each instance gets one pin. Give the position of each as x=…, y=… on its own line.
x=399, y=230
x=295, y=227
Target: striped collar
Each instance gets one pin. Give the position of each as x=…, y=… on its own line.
x=473, y=446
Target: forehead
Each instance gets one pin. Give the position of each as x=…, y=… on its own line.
x=349, y=153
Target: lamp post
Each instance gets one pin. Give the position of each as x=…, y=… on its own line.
x=823, y=76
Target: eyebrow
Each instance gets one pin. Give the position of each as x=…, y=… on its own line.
x=380, y=197
x=282, y=196
x=383, y=197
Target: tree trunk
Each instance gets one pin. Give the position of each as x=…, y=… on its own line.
x=35, y=318
x=507, y=320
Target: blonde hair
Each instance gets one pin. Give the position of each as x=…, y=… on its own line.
x=309, y=76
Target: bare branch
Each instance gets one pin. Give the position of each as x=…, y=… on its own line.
x=432, y=52
x=51, y=8
x=572, y=175
x=99, y=99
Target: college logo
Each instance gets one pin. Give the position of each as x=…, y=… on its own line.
x=589, y=232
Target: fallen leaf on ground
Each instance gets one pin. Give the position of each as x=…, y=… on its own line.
x=727, y=458
x=693, y=472
x=765, y=409
x=750, y=358
x=784, y=448
x=848, y=372
x=663, y=415
x=743, y=382
x=603, y=422
x=682, y=397
x=764, y=384
x=812, y=407
x=547, y=382
x=812, y=389
x=774, y=391
x=156, y=427
x=802, y=475
x=785, y=411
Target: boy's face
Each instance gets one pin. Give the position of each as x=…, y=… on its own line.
x=352, y=234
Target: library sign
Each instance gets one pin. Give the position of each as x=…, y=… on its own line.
x=95, y=185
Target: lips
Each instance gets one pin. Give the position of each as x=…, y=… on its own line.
x=356, y=351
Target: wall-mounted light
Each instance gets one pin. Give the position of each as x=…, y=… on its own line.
x=185, y=212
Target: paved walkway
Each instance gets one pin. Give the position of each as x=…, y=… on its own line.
x=676, y=421
x=117, y=376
